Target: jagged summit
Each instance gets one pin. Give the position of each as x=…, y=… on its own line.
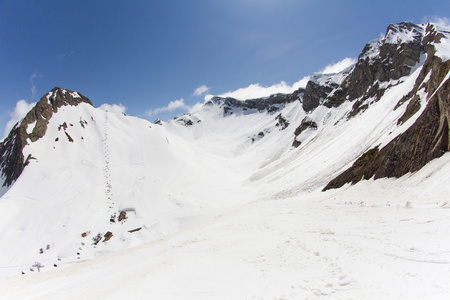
x=58, y=97
x=47, y=105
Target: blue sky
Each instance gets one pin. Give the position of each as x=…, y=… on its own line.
x=151, y=56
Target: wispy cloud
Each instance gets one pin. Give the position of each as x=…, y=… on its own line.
x=20, y=111
x=339, y=66
x=115, y=108
x=65, y=55
x=440, y=21
x=201, y=90
x=33, y=87
x=172, y=106
x=257, y=91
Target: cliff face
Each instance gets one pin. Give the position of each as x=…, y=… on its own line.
x=426, y=139
x=12, y=161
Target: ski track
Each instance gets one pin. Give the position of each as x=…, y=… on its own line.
x=106, y=168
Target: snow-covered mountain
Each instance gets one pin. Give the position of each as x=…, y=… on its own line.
x=83, y=182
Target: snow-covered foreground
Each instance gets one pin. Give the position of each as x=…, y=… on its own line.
x=385, y=239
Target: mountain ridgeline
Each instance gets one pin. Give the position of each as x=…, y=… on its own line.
x=380, y=66
x=97, y=181
x=383, y=64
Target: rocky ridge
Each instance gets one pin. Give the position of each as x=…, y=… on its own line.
x=271, y=104
x=381, y=65
x=428, y=137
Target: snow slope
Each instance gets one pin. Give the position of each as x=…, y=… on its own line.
x=385, y=239
x=115, y=163
x=223, y=206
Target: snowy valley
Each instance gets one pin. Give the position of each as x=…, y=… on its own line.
x=339, y=190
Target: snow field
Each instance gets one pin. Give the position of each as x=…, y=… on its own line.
x=364, y=241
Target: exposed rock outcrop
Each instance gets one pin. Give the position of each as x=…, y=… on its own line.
x=320, y=87
x=282, y=122
x=306, y=124
x=385, y=59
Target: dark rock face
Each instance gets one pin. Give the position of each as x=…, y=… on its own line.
x=314, y=95
x=393, y=60
x=11, y=149
x=272, y=103
x=432, y=64
x=427, y=139
x=306, y=124
x=11, y=155
x=381, y=60
x=281, y=122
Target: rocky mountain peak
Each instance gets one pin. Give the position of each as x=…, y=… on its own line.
x=47, y=105
x=405, y=32
x=58, y=97
x=12, y=160
x=381, y=64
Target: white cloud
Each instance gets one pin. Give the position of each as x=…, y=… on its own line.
x=33, y=84
x=65, y=55
x=257, y=91
x=444, y=22
x=440, y=21
x=173, y=105
x=201, y=90
x=115, y=108
x=339, y=66
x=20, y=111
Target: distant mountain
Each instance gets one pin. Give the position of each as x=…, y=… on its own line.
x=97, y=181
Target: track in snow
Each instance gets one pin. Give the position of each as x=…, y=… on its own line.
x=106, y=167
